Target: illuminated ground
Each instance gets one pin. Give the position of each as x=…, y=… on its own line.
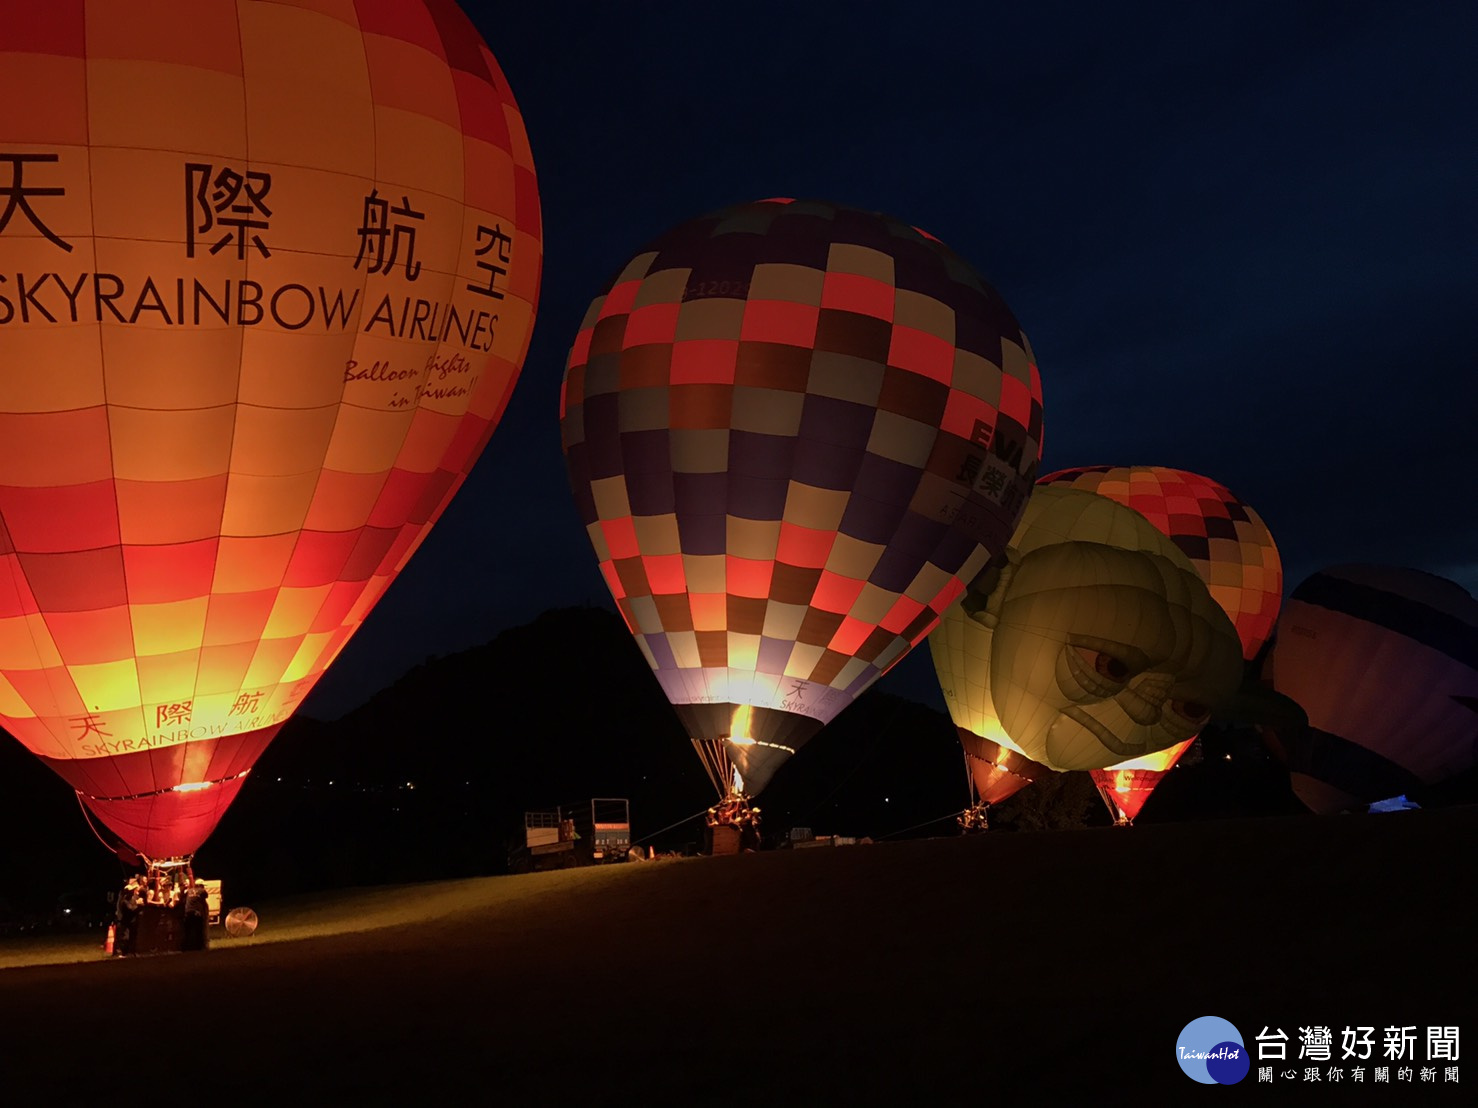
x=1048, y=967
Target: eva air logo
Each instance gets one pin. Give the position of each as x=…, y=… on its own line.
x=1210, y=1050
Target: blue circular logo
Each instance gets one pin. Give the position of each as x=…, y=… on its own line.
x=1210, y=1050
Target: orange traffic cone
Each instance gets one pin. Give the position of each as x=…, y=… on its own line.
x=108, y=943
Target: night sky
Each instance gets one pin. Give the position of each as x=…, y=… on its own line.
x=1241, y=239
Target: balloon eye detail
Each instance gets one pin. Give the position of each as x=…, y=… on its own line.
x=1191, y=709
x=1112, y=668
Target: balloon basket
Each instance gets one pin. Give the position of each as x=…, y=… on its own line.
x=733, y=825
x=725, y=840
x=734, y=810
x=975, y=818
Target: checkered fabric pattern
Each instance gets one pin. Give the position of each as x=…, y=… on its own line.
x=200, y=500
x=1233, y=551
x=793, y=429
x=1228, y=543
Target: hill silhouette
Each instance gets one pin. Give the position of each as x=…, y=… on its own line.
x=430, y=778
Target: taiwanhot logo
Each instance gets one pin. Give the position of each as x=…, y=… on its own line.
x=1210, y=1050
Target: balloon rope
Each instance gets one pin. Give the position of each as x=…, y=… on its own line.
x=926, y=823
x=670, y=826
x=715, y=764
x=88, y=816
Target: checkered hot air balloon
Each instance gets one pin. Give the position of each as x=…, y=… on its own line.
x=267, y=276
x=1384, y=661
x=794, y=430
x=1233, y=551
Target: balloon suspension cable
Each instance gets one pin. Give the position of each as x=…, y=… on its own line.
x=116, y=850
x=1106, y=794
x=160, y=867
x=717, y=764
x=973, y=818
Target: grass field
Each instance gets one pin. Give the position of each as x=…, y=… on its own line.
x=1053, y=968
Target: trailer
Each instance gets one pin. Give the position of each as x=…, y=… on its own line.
x=578, y=836
x=610, y=829
x=548, y=843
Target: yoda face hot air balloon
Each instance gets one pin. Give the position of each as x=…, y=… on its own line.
x=267, y=274
x=1096, y=643
x=1232, y=550
x=1384, y=661
x=793, y=431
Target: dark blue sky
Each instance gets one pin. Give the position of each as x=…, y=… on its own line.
x=1242, y=239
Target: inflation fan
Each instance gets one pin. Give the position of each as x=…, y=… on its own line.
x=240, y=923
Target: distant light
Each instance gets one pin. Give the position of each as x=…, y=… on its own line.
x=66, y=911
x=193, y=787
x=1227, y=757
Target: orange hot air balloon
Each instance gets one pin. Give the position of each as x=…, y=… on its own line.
x=267, y=275
x=1230, y=547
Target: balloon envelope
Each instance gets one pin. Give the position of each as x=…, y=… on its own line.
x=1097, y=643
x=1384, y=661
x=793, y=431
x=1226, y=541
x=1229, y=546
x=267, y=275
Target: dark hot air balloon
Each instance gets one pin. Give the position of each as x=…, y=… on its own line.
x=794, y=430
x=1384, y=661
